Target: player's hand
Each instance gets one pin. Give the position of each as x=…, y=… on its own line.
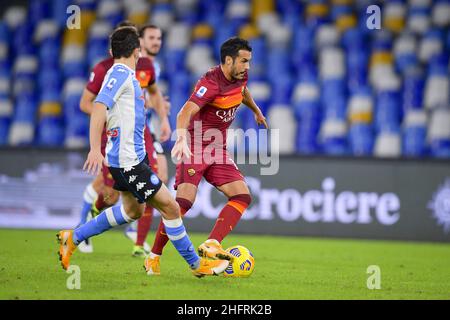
x=260, y=119
x=165, y=130
x=181, y=149
x=94, y=162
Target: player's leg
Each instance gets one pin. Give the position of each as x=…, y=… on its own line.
x=239, y=199
x=186, y=193
x=170, y=214
x=163, y=171
x=130, y=210
x=138, y=231
x=228, y=179
x=108, y=196
x=90, y=195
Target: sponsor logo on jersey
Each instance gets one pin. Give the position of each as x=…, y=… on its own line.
x=227, y=115
x=113, y=133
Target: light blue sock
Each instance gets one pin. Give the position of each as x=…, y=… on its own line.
x=89, y=197
x=177, y=234
x=109, y=218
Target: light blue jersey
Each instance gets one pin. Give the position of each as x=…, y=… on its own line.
x=123, y=96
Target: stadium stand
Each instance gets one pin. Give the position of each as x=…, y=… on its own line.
x=328, y=82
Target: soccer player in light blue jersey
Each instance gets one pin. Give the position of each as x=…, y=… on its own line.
x=120, y=103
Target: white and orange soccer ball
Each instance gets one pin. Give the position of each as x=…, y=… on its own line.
x=243, y=263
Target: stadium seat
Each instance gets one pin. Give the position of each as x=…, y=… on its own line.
x=333, y=136
x=387, y=145
x=110, y=11
x=414, y=133
x=281, y=117
x=439, y=133
x=441, y=13
x=437, y=89
x=360, y=139
x=394, y=13
x=137, y=11
x=162, y=15
x=405, y=49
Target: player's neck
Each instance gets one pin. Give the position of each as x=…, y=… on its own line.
x=129, y=62
x=145, y=54
x=226, y=73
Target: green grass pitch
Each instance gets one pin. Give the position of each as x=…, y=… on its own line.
x=286, y=268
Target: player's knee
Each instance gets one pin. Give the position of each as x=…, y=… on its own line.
x=245, y=199
x=134, y=211
x=172, y=210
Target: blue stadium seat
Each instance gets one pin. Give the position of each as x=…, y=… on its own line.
x=4, y=130
x=414, y=141
x=387, y=110
x=50, y=132
x=440, y=148
x=49, y=53
x=413, y=87
x=361, y=140
x=38, y=10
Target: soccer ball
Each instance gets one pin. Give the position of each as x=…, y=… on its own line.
x=243, y=263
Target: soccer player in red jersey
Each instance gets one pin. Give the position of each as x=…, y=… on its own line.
x=213, y=104
x=103, y=184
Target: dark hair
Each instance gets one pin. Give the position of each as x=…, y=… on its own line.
x=126, y=23
x=231, y=48
x=145, y=27
x=123, y=42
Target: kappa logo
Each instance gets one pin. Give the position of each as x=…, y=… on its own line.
x=132, y=179
x=148, y=193
x=128, y=169
x=140, y=185
x=440, y=205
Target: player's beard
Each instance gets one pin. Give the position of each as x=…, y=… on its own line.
x=238, y=75
x=152, y=53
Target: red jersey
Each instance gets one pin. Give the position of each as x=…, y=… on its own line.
x=218, y=99
x=145, y=73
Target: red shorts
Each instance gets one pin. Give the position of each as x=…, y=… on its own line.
x=108, y=180
x=215, y=173
x=150, y=149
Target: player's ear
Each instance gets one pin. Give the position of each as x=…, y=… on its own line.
x=110, y=52
x=228, y=60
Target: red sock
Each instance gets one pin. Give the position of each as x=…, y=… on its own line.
x=100, y=203
x=230, y=216
x=161, y=238
x=144, y=224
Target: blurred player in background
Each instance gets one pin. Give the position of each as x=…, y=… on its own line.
x=151, y=41
x=121, y=104
x=103, y=183
x=213, y=104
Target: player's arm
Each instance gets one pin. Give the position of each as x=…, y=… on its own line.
x=249, y=102
x=95, y=159
x=159, y=104
x=92, y=88
x=181, y=148
x=87, y=101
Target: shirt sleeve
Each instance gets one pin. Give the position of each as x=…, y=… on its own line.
x=205, y=92
x=96, y=78
x=146, y=74
x=112, y=88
